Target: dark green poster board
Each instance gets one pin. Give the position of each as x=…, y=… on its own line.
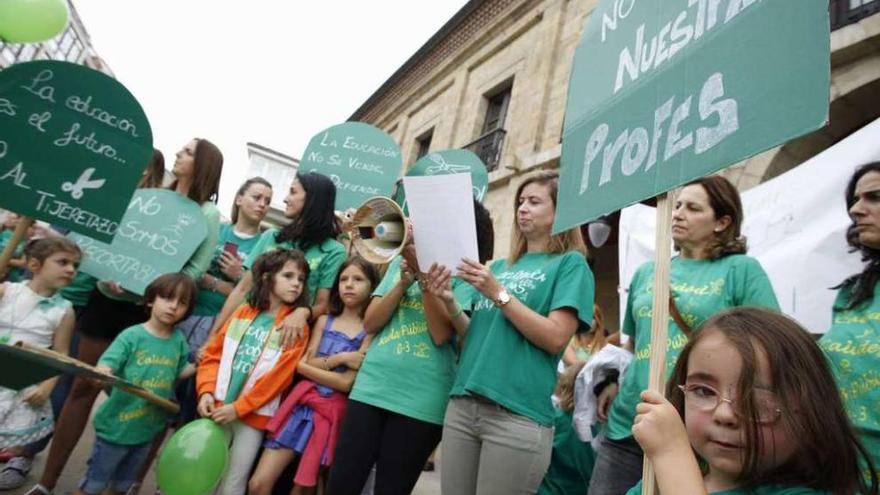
x=361, y=160
x=73, y=144
x=664, y=92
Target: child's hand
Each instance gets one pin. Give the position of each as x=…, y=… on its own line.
x=104, y=369
x=224, y=414
x=206, y=405
x=353, y=360
x=38, y=395
x=658, y=427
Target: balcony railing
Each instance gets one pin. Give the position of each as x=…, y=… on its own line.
x=846, y=12
x=488, y=148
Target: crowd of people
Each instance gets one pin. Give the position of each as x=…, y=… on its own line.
x=337, y=376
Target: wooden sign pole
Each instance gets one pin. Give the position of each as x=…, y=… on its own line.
x=166, y=404
x=660, y=315
x=20, y=231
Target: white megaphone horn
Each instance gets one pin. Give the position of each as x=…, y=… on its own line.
x=378, y=230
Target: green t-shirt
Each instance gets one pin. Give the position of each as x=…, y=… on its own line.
x=497, y=361
x=210, y=302
x=248, y=352
x=700, y=288
x=80, y=289
x=404, y=371
x=324, y=259
x=571, y=463
x=761, y=490
x=152, y=362
x=853, y=349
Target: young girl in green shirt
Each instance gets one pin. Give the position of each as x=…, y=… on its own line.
x=754, y=397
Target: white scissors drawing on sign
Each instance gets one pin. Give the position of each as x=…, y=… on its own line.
x=442, y=166
x=84, y=182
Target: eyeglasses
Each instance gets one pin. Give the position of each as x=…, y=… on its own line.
x=707, y=399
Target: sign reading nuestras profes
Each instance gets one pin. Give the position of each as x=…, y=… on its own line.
x=664, y=92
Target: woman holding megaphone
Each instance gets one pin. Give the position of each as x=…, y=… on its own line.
x=395, y=410
x=313, y=229
x=498, y=429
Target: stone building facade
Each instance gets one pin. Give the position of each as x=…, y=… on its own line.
x=495, y=78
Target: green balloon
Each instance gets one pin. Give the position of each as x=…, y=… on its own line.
x=194, y=459
x=31, y=21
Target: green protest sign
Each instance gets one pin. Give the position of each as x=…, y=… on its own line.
x=663, y=92
x=159, y=232
x=444, y=162
x=360, y=159
x=73, y=145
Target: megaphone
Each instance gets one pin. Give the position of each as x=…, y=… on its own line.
x=378, y=230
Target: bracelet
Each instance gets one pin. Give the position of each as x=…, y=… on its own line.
x=457, y=313
x=213, y=287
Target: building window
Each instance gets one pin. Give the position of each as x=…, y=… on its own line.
x=423, y=144
x=845, y=12
x=496, y=110
x=488, y=146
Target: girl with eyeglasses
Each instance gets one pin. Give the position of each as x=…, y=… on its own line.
x=711, y=273
x=754, y=397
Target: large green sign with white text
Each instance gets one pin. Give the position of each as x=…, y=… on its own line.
x=664, y=92
x=73, y=144
x=158, y=234
x=361, y=160
x=445, y=162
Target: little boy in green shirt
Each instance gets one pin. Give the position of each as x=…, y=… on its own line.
x=152, y=355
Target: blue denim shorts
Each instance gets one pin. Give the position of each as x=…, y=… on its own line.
x=113, y=466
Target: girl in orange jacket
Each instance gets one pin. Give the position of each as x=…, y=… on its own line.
x=245, y=368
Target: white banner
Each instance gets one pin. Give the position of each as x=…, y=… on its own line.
x=795, y=226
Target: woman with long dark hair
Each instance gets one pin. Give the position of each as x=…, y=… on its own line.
x=711, y=273
x=313, y=229
x=853, y=342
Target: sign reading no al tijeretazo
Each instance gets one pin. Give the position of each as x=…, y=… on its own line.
x=664, y=92
x=455, y=161
x=360, y=159
x=158, y=234
x=73, y=144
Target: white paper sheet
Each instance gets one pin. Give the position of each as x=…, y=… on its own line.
x=441, y=208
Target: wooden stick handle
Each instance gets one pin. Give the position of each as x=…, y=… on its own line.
x=165, y=404
x=20, y=232
x=660, y=315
